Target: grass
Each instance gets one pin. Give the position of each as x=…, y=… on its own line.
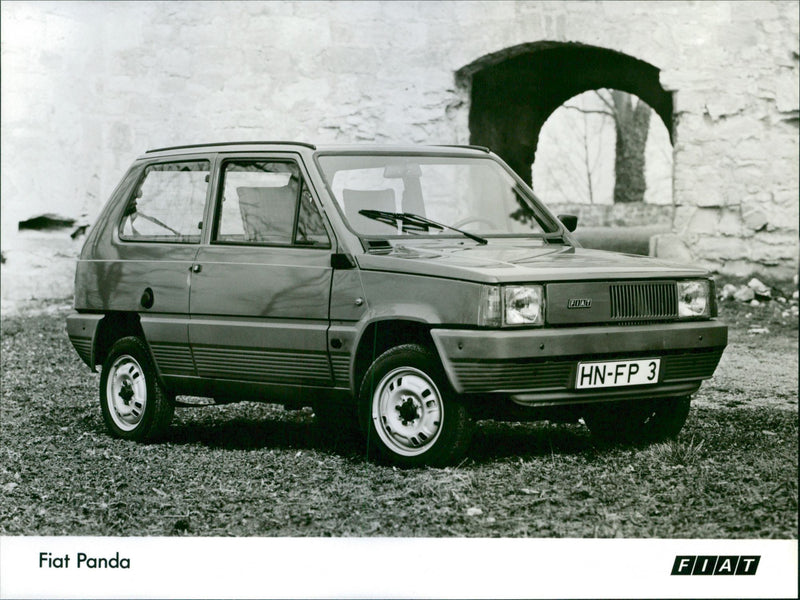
x=255, y=469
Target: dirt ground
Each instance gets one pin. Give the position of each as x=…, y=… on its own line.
x=254, y=469
x=755, y=370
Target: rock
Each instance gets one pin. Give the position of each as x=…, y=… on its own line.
x=725, y=248
x=781, y=299
x=668, y=246
x=730, y=223
x=712, y=198
x=794, y=279
x=727, y=292
x=755, y=219
x=705, y=220
x=46, y=221
x=761, y=291
x=794, y=295
x=755, y=303
x=744, y=294
x=758, y=330
x=79, y=231
x=474, y=511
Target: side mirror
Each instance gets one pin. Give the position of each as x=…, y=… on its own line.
x=569, y=221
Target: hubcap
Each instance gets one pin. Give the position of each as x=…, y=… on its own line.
x=407, y=411
x=126, y=393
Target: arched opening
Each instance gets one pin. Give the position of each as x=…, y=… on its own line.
x=514, y=91
x=604, y=147
x=605, y=156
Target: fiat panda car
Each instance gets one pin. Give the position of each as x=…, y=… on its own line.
x=408, y=290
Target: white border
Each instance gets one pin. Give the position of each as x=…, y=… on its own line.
x=390, y=568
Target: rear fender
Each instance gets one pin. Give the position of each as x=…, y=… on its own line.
x=82, y=331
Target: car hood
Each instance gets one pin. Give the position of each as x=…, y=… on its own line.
x=506, y=261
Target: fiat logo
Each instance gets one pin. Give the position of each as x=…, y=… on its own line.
x=579, y=303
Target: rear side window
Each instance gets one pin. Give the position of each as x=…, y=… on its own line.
x=266, y=202
x=168, y=204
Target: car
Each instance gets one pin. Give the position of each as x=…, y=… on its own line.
x=403, y=292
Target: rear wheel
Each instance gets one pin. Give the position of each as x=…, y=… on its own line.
x=410, y=414
x=651, y=420
x=134, y=404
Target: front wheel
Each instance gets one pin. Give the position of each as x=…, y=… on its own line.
x=134, y=404
x=638, y=421
x=409, y=412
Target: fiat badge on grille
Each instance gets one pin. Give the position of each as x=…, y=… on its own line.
x=579, y=303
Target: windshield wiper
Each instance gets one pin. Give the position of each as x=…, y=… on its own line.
x=413, y=220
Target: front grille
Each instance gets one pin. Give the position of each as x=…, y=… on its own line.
x=645, y=301
x=693, y=365
x=477, y=376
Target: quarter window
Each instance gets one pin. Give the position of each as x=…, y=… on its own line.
x=268, y=203
x=168, y=204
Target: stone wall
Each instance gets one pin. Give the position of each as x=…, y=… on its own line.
x=634, y=214
x=86, y=87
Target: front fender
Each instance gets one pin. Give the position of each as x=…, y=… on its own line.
x=419, y=301
x=344, y=339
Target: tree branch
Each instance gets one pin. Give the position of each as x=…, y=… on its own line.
x=605, y=101
x=586, y=111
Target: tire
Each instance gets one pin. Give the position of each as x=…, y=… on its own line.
x=640, y=421
x=134, y=404
x=409, y=413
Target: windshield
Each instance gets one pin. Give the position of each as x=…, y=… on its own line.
x=472, y=194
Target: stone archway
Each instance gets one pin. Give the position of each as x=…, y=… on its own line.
x=514, y=91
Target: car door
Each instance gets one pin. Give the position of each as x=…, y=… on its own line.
x=261, y=288
x=155, y=243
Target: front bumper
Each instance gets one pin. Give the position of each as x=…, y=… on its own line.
x=537, y=367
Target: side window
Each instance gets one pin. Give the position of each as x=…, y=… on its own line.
x=310, y=230
x=268, y=203
x=168, y=204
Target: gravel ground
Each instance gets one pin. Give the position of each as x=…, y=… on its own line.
x=255, y=469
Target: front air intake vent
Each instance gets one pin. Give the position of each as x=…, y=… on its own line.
x=645, y=301
x=378, y=245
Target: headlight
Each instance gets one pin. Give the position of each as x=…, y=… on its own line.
x=523, y=305
x=694, y=299
x=511, y=305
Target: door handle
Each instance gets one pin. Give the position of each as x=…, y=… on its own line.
x=197, y=268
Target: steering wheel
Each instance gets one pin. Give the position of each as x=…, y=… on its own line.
x=469, y=220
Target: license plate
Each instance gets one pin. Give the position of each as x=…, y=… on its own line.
x=617, y=373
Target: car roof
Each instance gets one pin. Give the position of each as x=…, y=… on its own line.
x=251, y=146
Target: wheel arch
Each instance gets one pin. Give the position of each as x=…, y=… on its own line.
x=112, y=327
x=381, y=334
